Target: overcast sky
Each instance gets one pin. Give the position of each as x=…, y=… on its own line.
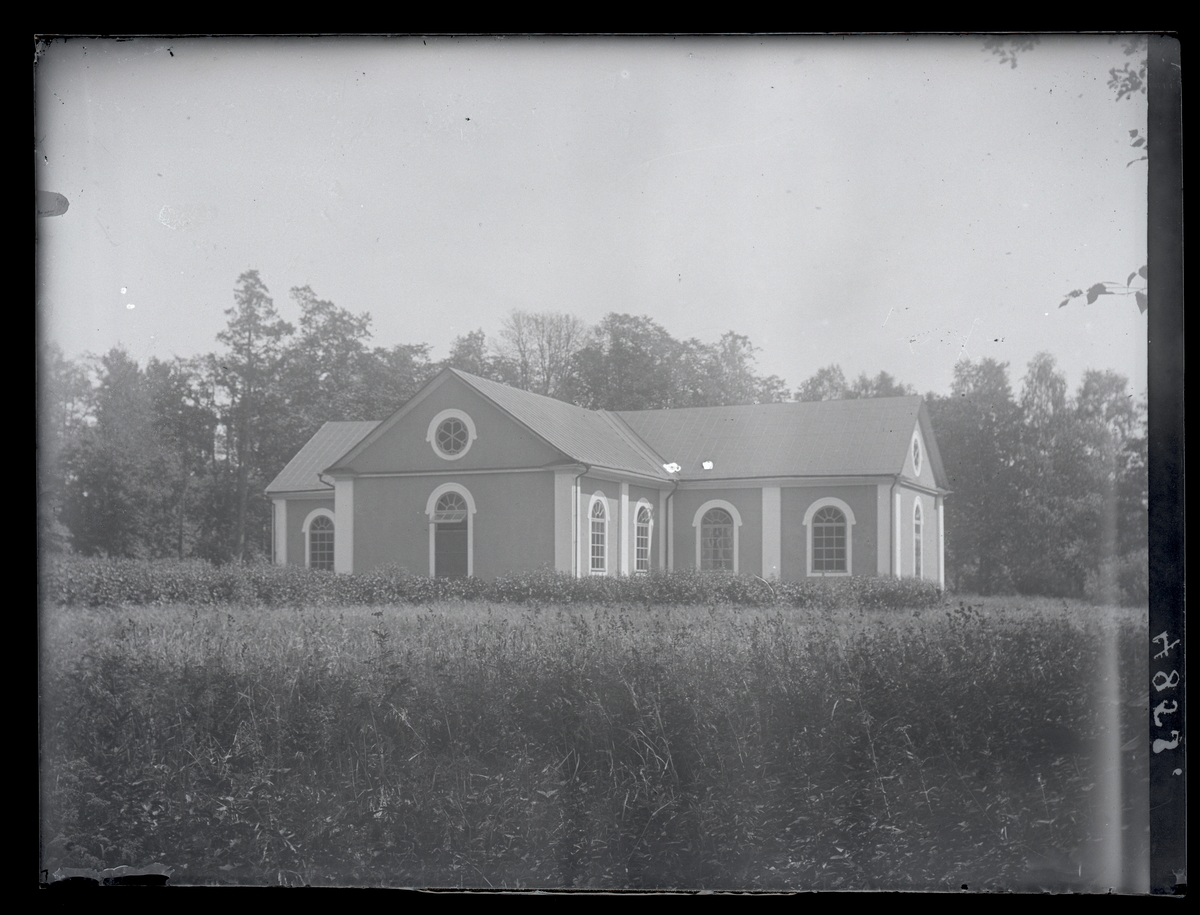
x=883, y=204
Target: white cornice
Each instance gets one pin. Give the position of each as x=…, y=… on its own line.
x=785, y=482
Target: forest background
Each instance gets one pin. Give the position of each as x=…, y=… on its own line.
x=170, y=459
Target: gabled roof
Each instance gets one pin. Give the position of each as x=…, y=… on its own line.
x=828, y=438
x=331, y=441
x=592, y=437
x=869, y=437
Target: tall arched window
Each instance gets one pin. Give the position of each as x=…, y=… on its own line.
x=450, y=550
x=830, y=525
x=451, y=513
x=829, y=540
x=599, y=536
x=320, y=543
x=642, y=540
x=716, y=541
x=918, y=517
x=717, y=523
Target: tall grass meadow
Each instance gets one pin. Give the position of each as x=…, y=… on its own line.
x=613, y=743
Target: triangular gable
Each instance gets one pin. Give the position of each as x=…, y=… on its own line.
x=932, y=453
x=332, y=440
x=378, y=432
x=590, y=437
x=578, y=435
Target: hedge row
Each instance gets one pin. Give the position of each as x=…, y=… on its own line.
x=71, y=581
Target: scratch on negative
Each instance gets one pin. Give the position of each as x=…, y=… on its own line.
x=115, y=244
x=963, y=348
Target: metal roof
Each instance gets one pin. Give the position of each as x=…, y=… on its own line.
x=825, y=438
x=331, y=441
x=868, y=437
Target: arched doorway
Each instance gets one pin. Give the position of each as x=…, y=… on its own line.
x=451, y=511
x=450, y=547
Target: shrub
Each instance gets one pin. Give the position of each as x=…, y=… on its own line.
x=78, y=582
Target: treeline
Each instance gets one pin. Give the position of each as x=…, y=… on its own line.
x=1049, y=489
x=170, y=459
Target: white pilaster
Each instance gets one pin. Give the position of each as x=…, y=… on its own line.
x=624, y=535
x=343, y=525
x=660, y=523
x=671, y=535
x=281, y=531
x=896, y=543
x=941, y=542
x=772, y=532
x=581, y=530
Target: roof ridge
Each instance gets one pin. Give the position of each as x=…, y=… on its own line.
x=635, y=441
x=556, y=432
x=521, y=392
x=840, y=401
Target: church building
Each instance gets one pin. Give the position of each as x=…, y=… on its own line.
x=472, y=477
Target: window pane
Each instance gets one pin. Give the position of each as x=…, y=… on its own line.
x=320, y=543
x=451, y=507
x=642, y=541
x=452, y=436
x=716, y=541
x=829, y=540
x=918, y=564
x=598, y=544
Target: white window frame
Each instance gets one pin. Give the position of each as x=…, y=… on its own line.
x=698, y=519
x=830, y=501
x=917, y=453
x=431, y=510
x=918, y=547
x=602, y=499
x=431, y=433
x=312, y=515
x=643, y=503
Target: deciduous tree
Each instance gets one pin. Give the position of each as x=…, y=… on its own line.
x=540, y=345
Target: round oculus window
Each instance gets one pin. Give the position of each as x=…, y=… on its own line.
x=452, y=436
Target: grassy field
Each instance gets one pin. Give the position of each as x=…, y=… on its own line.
x=991, y=743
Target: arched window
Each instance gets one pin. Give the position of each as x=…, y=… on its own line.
x=318, y=539
x=829, y=540
x=716, y=541
x=450, y=509
x=320, y=544
x=829, y=522
x=717, y=523
x=599, y=536
x=918, y=517
x=641, y=543
x=451, y=513
x=916, y=454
